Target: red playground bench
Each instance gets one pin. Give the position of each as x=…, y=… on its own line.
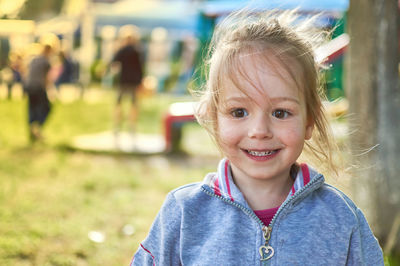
x=178, y=114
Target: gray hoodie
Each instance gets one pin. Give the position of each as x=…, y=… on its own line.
x=210, y=223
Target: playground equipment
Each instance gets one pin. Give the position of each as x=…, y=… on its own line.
x=177, y=115
x=333, y=49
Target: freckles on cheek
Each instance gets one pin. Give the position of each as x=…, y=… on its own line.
x=226, y=134
x=224, y=131
x=223, y=126
x=223, y=137
x=294, y=135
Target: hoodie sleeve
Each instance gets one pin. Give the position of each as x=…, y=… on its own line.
x=364, y=247
x=161, y=246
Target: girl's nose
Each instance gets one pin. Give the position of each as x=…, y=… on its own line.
x=260, y=128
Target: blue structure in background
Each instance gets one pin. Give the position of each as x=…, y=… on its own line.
x=180, y=18
x=333, y=15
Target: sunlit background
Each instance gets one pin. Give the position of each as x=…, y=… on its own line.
x=79, y=197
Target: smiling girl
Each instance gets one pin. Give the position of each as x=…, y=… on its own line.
x=261, y=105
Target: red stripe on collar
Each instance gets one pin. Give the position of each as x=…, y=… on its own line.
x=306, y=173
x=227, y=179
x=216, y=187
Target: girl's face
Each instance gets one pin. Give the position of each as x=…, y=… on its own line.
x=262, y=131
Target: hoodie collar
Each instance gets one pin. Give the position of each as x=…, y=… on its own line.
x=222, y=182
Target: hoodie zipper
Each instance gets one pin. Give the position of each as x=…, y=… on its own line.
x=266, y=251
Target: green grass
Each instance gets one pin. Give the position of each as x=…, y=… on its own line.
x=52, y=197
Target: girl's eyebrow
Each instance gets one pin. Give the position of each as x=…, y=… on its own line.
x=285, y=99
x=236, y=98
x=274, y=100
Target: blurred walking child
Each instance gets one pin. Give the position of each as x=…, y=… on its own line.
x=130, y=68
x=263, y=206
x=36, y=88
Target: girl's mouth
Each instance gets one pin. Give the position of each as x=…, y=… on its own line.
x=261, y=155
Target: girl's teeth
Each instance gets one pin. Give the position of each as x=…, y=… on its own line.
x=260, y=153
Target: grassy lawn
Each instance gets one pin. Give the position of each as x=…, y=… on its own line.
x=51, y=197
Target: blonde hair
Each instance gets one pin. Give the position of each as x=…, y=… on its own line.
x=289, y=40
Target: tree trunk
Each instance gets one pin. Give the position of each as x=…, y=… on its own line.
x=372, y=86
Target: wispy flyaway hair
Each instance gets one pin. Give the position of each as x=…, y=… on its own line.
x=283, y=38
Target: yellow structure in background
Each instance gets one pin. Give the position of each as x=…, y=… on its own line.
x=14, y=26
x=20, y=33
x=74, y=7
x=11, y=8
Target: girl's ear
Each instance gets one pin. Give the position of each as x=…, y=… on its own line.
x=309, y=129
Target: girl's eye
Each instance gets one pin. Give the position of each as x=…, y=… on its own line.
x=239, y=112
x=280, y=114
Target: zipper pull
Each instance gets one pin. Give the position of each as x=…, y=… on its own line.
x=266, y=251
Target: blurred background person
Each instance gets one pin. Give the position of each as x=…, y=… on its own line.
x=36, y=85
x=12, y=73
x=128, y=64
x=66, y=70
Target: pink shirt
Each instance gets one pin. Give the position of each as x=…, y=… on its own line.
x=266, y=215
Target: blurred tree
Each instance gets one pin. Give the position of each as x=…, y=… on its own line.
x=372, y=85
x=39, y=9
